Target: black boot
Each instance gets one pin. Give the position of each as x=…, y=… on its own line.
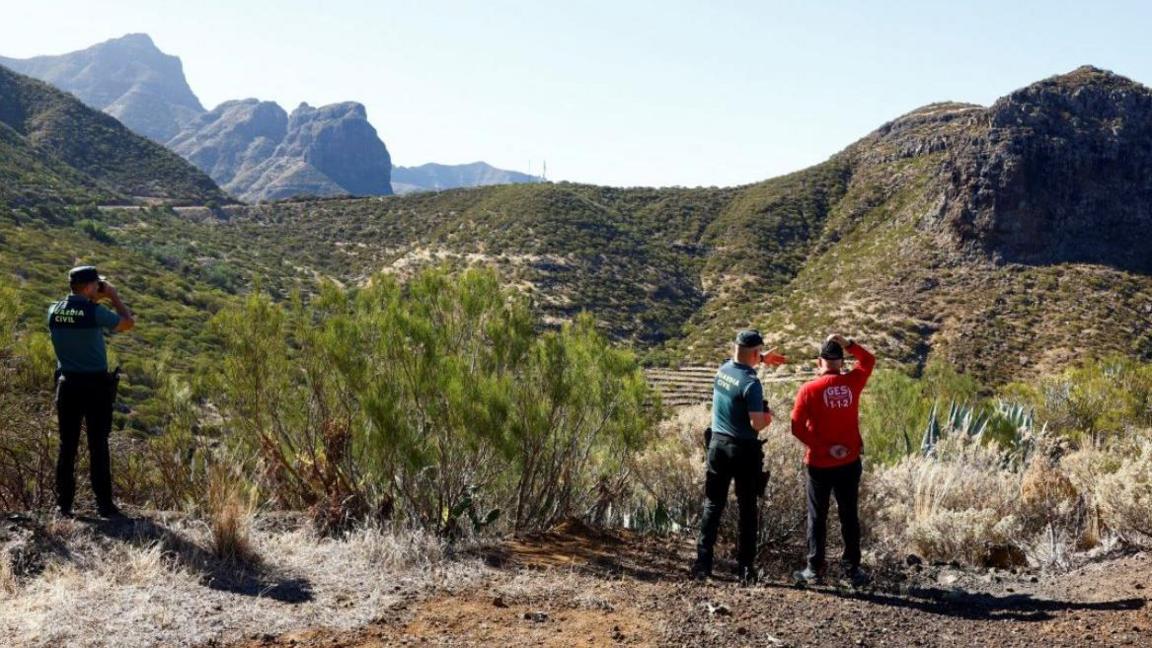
x=110, y=511
x=700, y=571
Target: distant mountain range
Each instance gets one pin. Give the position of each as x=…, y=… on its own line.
x=436, y=177
x=253, y=149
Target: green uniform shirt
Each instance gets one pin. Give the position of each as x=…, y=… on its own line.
x=736, y=392
x=77, y=326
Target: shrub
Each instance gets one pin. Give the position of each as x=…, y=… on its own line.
x=27, y=438
x=945, y=507
x=96, y=231
x=436, y=400
x=669, y=473
x=1125, y=496
x=896, y=408
x=1099, y=400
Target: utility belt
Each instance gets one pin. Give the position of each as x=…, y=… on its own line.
x=94, y=379
x=751, y=444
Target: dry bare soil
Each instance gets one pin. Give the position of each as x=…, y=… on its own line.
x=580, y=587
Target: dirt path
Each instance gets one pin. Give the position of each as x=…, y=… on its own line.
x=581, y=588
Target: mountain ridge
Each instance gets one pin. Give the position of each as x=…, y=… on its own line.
x=920, y=239
x=56, y=144
x=131, y=79
x=433, y=176
x=127, y=77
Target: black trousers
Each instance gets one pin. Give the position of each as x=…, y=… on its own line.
x=83, y=398
x=731, y=460
x=844, y=483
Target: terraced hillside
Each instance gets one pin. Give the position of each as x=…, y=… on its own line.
x=692, y=385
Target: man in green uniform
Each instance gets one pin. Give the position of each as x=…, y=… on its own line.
x=739, y=412
x=85, y=391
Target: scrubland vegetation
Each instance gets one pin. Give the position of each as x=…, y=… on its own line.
x=1030, y=473
x=438, y=405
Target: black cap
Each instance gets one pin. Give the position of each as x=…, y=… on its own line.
x=749, y=338
x=832, y=351
x=83, y=274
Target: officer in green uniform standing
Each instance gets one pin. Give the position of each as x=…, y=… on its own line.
x=739, y=412
x=85, y=391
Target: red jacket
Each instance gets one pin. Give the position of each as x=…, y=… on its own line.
x=827, y=413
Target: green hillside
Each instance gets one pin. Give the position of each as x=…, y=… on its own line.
x=45, y=129
x=913, y=239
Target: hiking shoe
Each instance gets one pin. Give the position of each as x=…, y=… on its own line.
x=857, y=576
x=749, y=576
x=110, y=512
x=808, y=576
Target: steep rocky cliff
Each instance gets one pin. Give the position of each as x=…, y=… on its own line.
x=258, y=152
x=128, y=78
x=251, y=148
x=1060, y=171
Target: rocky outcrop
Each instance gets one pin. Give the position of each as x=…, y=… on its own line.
x=256, y=151
x=232, y=139
x=128, y=78
x=1059, y=171
x=253, y=149
x=338, y=141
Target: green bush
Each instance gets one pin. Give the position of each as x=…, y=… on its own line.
x=96, y=231
x=1099, y=400
x=896, y=409
x=436, y=401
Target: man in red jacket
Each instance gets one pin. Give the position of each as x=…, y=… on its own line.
x=826, y=419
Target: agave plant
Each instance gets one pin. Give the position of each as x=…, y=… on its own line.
x=1010, y=424
x=962, y=419
x=1015, y=427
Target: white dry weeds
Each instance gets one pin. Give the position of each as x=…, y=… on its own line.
x=110, y=592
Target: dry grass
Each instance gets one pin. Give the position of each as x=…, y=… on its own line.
x=670, y=470
x=1125, y=496
x=231, y=508
x=134, y=589
x=944, y=508
x=8, y=582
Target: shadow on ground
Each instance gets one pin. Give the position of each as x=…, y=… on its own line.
x=257, y=579
x=617, y=554
x=979, y=606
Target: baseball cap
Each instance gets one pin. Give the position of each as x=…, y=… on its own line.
x=84, y=274
x=832, y=351
x=749, y=338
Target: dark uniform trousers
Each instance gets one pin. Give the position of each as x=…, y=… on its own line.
x=729, y=460
x=844, y=483
x=84, y=398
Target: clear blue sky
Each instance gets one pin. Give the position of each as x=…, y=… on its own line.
x=673, y=92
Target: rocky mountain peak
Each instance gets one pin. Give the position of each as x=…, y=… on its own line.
x=128, y=78
x=338, y=140
x=136, y=41
x=1059, y=171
